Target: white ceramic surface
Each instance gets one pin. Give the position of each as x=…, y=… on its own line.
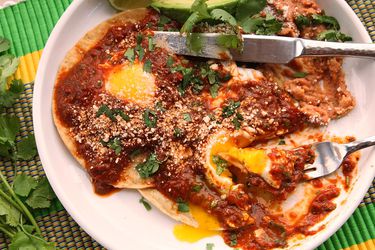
x=120, y=221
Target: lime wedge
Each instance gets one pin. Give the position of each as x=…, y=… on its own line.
x=129, y=4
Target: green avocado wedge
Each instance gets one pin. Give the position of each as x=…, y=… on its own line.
x=179, y=10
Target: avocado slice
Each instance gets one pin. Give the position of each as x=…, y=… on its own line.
x=179, y=10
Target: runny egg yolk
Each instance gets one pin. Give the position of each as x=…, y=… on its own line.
x=255, y=160
x=130, y=82
x=208, y=226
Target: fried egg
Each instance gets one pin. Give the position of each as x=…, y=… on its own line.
x=131, y=83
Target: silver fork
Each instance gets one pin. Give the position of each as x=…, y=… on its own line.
x=329, y=156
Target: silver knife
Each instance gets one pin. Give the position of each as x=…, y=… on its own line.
x=263, y=49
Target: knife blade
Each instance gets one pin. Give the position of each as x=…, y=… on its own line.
x=262, y=49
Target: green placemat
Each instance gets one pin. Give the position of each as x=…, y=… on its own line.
x=28, y=25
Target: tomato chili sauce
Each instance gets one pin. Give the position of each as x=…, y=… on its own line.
x=265, y=107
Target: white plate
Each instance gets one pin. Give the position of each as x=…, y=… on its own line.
x=120, y=221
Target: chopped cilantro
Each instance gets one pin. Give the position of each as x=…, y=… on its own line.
x=150, y=118
x=330, y=21
x=214, y=90
x=262, y=26
x=194, y=42
x=163, y=20
x=210, y=246
x=114, y=144
x=282, y=142
x=104, y=109
x=139, y=39
x=140, y=52
x=121, y=113
x=237, y=121
x=151, y=44
x=182, y=206
x=149, y=167
x=170, y=61
x=229, y=41
x=302, y=21
x=230, y=109
x=233, y=240
x=130, y=54
x=333, y=36
x=187, y=117
x=145, y=204
x=220, y=163
x=300, y=74
x=159, y=106
x=224, y=16
x=112, y=113
x=177, y=132
x=197, y=188
x=147, y=66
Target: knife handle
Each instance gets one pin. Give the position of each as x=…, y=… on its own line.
x=319, y=48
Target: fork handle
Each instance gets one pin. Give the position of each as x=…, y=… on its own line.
x=361, y=144
x=319, y=48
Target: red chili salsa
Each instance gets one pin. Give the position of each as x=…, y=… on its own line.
x=173, y=132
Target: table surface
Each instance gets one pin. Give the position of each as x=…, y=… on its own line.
x=28, y=24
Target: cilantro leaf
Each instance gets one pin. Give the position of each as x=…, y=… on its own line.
x=197, y=188
x=248, y=8
x=26, y=149
x=214, y=90
x=150, y=118
x=187, y=117
x=210, y=246
x=147, y=66
x=149, y=167
x=8, y=97
x=229, y=41
x=182, y=206
x=333, y=36
x=220, y=163
x=230, y=109
x=151, y=44
x=190, y=22
x=302, y=21
x=200, y=6
x=163, y=20
x=42, y=195
x=9, y=128
x=262, y=26
x=115, y=144
x=8, y=65
x=4, y=44
x=237, y=120
x=145, y=204
x=12, y=215
x=23, y=184
x=23, y=240
x=130, y=54
x=330, y=21
x=224, y=16
x=140, y=52
x=194, y=42
x=233, y=240
x=300, y=74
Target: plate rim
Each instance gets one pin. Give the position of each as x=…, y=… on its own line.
x=37, y=118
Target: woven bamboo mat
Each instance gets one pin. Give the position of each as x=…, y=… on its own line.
x=28, y=25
